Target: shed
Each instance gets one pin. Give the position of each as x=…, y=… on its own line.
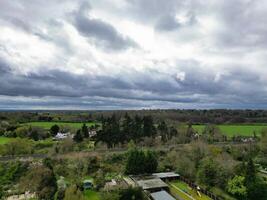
x=155, y=184
x=161, y=195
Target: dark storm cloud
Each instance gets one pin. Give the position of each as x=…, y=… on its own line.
x=164, y=89
x=103, y=33
x=59, y=83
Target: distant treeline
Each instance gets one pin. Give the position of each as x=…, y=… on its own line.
x=219, y=116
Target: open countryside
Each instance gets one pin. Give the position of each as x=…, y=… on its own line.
x=229, y=130
x=133, y=100
x=235, y=130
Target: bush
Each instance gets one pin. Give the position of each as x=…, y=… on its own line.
x=18, y=147
x=10, y=172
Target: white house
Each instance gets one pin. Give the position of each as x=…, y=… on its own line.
x=61, y=136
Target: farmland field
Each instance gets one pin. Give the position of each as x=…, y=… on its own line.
x=232, y=130
x=47, y=125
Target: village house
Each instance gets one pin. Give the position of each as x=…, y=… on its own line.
x=61, y=136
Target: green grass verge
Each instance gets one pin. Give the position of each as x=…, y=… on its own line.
x=178, y=193
x=91, y=195
x=234, y=130
x=220, y=193
x=5, y=140
x=47, y=125
x=185, y=188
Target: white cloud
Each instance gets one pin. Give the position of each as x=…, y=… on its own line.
x=180, y=76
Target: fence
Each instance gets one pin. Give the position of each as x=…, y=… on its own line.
x=196, y=187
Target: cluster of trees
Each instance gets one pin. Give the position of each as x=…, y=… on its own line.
x=81, y=134
x=140, y=162
x=17, y=147
x=40, y=180
x=15, y=130
x=225, y=167
x=9, y=173
x=121, y=130
x=248, y=185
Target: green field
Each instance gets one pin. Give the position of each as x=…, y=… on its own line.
x=4, y=140
x=234, y=130
x=91, y=195
x=47, y=125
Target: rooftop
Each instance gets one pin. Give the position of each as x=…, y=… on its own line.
x=162, y=195
x=87, y=181
x=166, y=175
x=152, y=184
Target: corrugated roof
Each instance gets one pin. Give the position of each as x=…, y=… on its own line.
x=162, y=195
x=151, y=184
x=166, y=175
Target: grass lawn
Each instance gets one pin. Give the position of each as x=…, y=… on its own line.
x=222, y=194
x=5, y=140
x=47, y=125
x=180, y=194
x=232, y=130
x=91, y=195
x=185, y=188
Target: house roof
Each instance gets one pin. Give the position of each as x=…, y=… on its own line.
x=162, y=195
x=166, y=175
x=152, y=184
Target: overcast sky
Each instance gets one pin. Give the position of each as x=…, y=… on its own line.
x=133, y=54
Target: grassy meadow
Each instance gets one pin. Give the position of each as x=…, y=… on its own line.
x=47, y=125
x=234, y=130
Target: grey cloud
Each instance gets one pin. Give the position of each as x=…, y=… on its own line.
x=167, y=23
x=152, y=10
x=170, y=23
x=102, y=32
x=4, y=68
x=244, y=24
x=198, y=88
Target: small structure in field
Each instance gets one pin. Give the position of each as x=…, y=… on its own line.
x=92, y=133
x=88, y=184
x=161, y=195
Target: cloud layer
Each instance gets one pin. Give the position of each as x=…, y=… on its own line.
x=133, y=54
